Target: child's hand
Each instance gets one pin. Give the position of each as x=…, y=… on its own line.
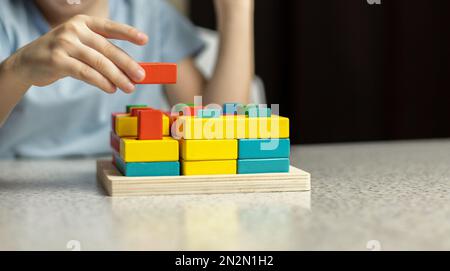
x=79, y=48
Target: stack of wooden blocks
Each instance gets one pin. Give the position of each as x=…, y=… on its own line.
x=233, y=139
x=142, y=144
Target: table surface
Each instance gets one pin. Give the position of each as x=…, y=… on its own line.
x=389, y=196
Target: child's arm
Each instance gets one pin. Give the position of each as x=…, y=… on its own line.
x=78, y=48
x=234, y=71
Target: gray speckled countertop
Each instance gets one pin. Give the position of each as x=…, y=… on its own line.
x=394, y=193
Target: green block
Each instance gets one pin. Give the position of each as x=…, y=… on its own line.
x=129, y=107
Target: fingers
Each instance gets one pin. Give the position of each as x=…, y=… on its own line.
x=103, y=65
x=114, y=30
x=121, y=59
x=92, y=48
x=84, y=72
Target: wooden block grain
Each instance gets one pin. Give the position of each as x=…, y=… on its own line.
x=118, y=185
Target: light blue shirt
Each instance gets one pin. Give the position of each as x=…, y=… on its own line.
x=71, y=118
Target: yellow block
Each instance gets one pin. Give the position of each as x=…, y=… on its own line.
x=259, y=128
x=201, y=150
x=166, y=125
x=189, y=168
x=127, y=126
x=165, y=150
x=273, y=127
x=187, y=127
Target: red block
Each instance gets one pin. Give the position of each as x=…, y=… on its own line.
x=134, y=111
x=115, y=141
x=150, y=125
x=159, y=73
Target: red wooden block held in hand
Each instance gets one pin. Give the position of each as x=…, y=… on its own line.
x=159, y=73
x=150, y=124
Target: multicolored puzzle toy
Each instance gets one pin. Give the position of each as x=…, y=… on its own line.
x=235, y=139
x=195, y=150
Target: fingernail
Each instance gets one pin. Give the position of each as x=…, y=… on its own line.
x=141, y=36
x=130, y=87
x=140, y=74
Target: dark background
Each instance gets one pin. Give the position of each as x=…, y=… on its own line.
x=344, y=70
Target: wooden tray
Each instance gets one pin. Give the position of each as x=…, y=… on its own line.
x=117, y=185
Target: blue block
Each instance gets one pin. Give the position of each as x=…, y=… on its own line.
x=251, y=110
x=258, y=111
x=264, y=112
x=208, y=113
x=264, y=148
x=147, y=169
x=233, y=109
x=253, y=166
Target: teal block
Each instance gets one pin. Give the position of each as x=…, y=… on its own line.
x=209, y=113
x=233, y=109
x=251, y=110
x=255, y=111
x=253, y=166
x=264, y=148
x=152, y=169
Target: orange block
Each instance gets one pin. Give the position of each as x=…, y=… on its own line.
x=134, y=111
x=150, y=124
x=159, y=73
x=115, y=141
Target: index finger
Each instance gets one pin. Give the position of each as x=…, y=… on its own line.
x=113, y=30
